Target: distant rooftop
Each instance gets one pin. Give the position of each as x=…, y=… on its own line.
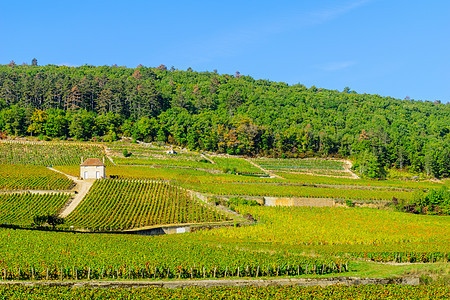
x=92, y=162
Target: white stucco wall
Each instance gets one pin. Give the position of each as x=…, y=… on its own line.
x=90, y=172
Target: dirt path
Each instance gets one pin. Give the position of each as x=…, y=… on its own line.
x=176, y=284
x=348, y=167
x=272, y=175
x=82, y=187
x=207, y=158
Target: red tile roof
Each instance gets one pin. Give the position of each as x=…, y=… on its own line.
x=92, y=162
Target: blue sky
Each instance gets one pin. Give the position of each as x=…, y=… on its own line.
x=391, y=48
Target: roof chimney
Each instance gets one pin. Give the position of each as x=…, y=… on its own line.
x=103, y=160
x=82, y=159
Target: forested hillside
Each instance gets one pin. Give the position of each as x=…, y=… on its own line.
x=225, y=113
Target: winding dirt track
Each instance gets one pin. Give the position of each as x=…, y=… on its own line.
x=82, y=187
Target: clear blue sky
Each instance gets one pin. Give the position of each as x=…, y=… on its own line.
x=392, y=48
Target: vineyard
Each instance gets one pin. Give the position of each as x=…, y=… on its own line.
x=338, y=292
x=125, y=204
x=359, y=232
x=32, y=178
x=284, y=241
x=235, y=165
x=305, y=165
x=155, y=156
x=174, y=162
x=364, y=183
x=284, y=190
x=20, y=208
x=280, y=239
x=189, y=160
x=46, y=153
x=87, y=256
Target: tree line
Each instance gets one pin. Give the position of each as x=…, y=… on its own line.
x=232, y=114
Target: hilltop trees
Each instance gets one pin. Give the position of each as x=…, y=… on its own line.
x=225, y=113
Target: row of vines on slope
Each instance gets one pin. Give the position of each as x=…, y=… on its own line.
x=20, y=208
x=13, y=177
x=47, y=154
x=126, y=204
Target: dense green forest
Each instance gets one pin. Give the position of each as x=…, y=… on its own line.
x=225, y=113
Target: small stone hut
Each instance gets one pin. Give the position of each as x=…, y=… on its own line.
x=92, y=168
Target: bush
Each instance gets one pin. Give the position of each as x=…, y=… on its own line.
x=435, y=202
x=349, y=203
x=126, y=153
x=52, y=220
x=235, y=201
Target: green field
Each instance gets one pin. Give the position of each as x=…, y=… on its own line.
x=284, y=241
x=337, y=292
x=281, y=190
x=305, y=165
x=47, y=153
x=19, y=209
x=127, y=256
x=22, y=177
x=126, y=204
x=282, y=237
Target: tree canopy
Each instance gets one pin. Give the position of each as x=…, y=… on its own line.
x=232, y=114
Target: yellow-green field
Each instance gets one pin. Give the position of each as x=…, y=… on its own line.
x=148, y=188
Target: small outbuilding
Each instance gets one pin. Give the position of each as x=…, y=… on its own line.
x=92, y=168
x=171, y=151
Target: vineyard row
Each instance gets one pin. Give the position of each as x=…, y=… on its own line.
x=86, y=272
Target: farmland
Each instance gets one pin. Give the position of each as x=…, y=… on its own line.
x=145, y=156
x=46, y=153
x=124, y=256
x=152, y=188
x=23, y=177
x=314, y=166
x=127, y=204
x=282, y=237
x=281, y=190
x=271, y=292
x=19, y=209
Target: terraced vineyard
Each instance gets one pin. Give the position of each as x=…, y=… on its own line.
x=125, y=204
x=364, y=183
x=283, y=190
x=285, y=241
x=195, y=161
x=13, y=177
x=47, y=154
x=20, y=208
x=235, y=164
x=175, y=162
x=306, y=165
